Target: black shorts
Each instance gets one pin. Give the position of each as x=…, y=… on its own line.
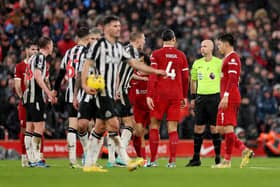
x=123, y=107
x=72, y=112
x=106, y=108
x=87, y=110
x=206, y=109
x=35, y=112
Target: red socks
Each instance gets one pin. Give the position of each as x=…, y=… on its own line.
x=238, y=144
x=173, y=141
x=21, y=139
x=143, y=153
x=154, y=140
x=229, y=143
x=137, y=145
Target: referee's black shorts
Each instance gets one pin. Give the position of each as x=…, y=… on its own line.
x=206, y=109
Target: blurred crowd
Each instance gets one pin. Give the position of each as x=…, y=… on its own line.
x=255, y=25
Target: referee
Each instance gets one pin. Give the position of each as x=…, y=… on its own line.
x=205, y=88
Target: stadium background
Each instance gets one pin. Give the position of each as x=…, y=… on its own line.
x=255, y=25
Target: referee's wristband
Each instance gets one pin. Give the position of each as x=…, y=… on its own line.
x=193, y=96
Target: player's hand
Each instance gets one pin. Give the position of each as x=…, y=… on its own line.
x=75, y=103
x=145, y=79
x=90, y=91
x=224, y=103
x=160, y=72
x=54, y=101
x=54, y=93
x=193, y=103
x=184, y=103
x=150, y=103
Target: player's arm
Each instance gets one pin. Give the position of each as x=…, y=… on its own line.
x=143, y=67
x=140, y=78
x=42, y=84
x=61, y=73
x=233, y=68
x=185, y=80
x=152, y=84
x=84, y=76
x=18, y=83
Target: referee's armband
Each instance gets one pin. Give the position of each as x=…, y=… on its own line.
x=193, y=96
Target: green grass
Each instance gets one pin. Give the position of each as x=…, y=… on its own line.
x=261, y=172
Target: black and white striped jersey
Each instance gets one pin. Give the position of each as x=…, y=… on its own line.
x=34, y=92
x=71, y=62
x=126, y=71
x=107, y=57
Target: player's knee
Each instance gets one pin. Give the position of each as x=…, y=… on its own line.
x=199, y=129
x=213, y=129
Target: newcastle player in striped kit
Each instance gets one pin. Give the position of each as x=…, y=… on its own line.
x=123, y=106
x=86, y=106
x=105, y=56
x=34, y=98
x=69, y=68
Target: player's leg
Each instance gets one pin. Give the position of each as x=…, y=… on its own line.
x=137, y=140
x=28, y=140
x=212, y=110
x=94, y=146
x=173, y=141
x=127, y=130
x=36, y=141
x=199, y=128
x=22, y=120
x=154, y=139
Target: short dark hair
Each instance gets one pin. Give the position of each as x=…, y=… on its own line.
x=167, y=35
x=82, y=32
x=227, y=38
x=109, y=19
x=44, y=41
x=30, y=43
x=146, y=58
x=135, y=35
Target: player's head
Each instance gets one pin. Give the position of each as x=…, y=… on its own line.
x=225, y=42
x=82, y=32
x=31, y=48
x=168, y=36
x=46, y=44
x=138, y=38
x=94, y=34
x=144, y=58
x=207, y=47
x=112, y=26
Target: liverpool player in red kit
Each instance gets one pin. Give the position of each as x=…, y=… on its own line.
x=31, y=48
x=167, y=94
x=230, y=101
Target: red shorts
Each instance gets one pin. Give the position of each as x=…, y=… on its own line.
x=228, y=116
x=170, y=107
x=21, y=115
x=141, y=116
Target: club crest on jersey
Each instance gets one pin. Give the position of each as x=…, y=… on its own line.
x=212, y=76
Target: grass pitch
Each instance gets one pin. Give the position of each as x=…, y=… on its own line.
x=261, y=172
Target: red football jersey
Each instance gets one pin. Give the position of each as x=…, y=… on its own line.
x=20, y=74
x=141, y=93
x=230, y=77
x=175, y=84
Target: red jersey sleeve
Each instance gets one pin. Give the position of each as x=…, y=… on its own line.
x=185, y=76
x=152, y=77
x=233, y=73
x=17, y=72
